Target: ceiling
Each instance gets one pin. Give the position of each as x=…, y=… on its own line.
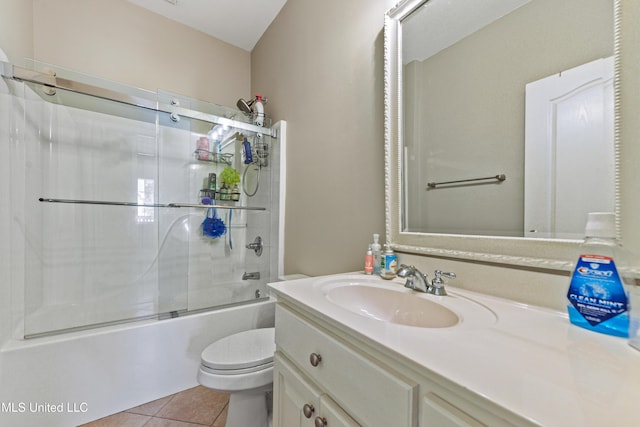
x=238, y=22
x=445, y=23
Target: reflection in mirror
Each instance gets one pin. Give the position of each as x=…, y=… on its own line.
x=520, y=88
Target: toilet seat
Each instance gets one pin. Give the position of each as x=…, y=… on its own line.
x=239, y=363
x=240, y=353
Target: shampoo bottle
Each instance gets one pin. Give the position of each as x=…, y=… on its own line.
x=248, y=156
x=597, y=296
x=368, y=261
x=377, y=254
x=203, y=148
x=258, y=106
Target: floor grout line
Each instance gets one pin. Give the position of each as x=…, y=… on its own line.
x=142, y=412
x=220, y=414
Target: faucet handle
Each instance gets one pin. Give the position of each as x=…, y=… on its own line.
x=439, y=274
x=437, y=284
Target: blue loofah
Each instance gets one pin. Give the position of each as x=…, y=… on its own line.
x=213, y=226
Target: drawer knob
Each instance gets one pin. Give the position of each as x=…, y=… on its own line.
x=308, y=410
x=321, y=422
x=315, y=359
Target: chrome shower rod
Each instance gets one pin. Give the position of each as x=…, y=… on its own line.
x=149, y=205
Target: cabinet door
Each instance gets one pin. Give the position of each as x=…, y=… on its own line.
x=437, y=412
x=295, y=400
x=332, y=415
x=373, y=394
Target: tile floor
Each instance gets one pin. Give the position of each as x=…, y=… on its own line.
x=195, y=407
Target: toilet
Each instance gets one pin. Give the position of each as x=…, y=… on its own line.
x=242, y=364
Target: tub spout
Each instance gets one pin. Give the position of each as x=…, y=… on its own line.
x=251, y=276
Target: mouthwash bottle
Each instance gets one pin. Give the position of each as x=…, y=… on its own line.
x=634, y=316
x=597, y=293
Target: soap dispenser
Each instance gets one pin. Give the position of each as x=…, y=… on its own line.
x=389, y=262
x=368, y=261
x=377, y=254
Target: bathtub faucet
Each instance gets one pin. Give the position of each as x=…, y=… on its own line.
x=251, y=276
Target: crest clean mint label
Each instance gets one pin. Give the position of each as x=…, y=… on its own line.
x=597, y=296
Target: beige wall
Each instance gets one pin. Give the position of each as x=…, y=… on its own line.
x=16, y=35
x=119, y=41
x=321, y=65
x=526, y=285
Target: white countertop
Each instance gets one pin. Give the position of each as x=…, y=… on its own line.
x=528, y=360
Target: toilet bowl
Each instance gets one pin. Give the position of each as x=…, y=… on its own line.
x=242, y=364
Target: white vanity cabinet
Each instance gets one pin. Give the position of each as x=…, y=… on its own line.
x=299, y=403
x=324, y=377
x=314, y=366
x=344, y=344
x=440, y=406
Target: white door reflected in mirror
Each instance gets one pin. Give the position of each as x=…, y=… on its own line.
x=569, y=150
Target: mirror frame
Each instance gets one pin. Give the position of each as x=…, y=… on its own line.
x=554, y=254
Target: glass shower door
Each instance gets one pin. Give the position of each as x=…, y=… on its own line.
x=91, y=257
x=108, y=195
x=221, y=270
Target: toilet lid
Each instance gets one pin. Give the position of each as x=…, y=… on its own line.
x=242, y=350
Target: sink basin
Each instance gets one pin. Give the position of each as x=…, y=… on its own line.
x=392, y=306
x=367, y=302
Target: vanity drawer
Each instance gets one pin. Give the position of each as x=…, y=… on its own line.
x=371, y=393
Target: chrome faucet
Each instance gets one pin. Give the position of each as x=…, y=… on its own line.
x=418, y=281
x=251, y=276
x=415, y=279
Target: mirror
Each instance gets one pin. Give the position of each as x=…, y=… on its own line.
x=461, y=79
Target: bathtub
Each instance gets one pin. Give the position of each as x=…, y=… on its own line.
x=71, y=379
